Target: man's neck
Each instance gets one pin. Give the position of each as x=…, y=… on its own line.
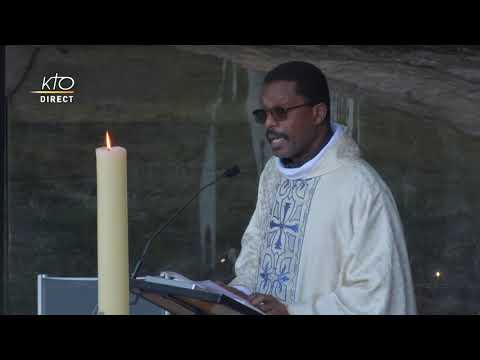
x=290, y=164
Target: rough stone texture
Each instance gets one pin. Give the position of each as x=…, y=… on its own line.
x=441, y=83
x=158, y=102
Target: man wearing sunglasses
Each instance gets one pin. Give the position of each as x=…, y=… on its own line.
x=325, y=236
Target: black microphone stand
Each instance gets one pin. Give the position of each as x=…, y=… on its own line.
x=226, y=174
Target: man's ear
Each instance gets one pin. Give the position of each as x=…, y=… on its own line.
x=319, y=113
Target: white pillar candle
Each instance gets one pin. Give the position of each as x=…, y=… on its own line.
x=112, y=230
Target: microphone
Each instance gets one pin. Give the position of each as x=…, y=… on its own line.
x=229, y=173
x=234, y=171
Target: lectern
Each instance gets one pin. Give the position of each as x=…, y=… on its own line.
x=184, y=301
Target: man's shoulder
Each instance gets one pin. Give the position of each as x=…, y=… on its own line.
x=361, y=176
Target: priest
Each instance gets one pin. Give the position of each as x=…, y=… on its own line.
x=325, y=236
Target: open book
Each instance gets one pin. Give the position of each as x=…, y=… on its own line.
x=180, y=281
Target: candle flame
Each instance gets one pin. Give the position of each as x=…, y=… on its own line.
x=109, y=144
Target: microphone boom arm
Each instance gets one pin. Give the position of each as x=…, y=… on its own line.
x=228, y=173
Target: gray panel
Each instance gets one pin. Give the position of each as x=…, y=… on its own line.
x=78, y=296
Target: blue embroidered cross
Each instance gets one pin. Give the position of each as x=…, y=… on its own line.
x=265, y=275
x=282, y=226
x=279, y=287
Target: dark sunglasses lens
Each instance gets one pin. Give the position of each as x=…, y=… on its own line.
x=279, y=113
x=260, y=116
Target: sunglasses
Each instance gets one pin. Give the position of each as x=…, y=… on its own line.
x=278, y=113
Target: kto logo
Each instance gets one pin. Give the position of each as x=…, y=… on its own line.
x=56, y=89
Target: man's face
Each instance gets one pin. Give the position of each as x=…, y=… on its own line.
x=295, y=137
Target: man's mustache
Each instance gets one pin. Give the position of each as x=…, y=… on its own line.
x=274, y=134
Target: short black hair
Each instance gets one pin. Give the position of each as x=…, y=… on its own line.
x=311, y=82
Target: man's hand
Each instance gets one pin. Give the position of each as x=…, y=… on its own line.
x=268, y=304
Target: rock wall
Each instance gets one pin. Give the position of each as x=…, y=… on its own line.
x=441, y=83
x=183, y=111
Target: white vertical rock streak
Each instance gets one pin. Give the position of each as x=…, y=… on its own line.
x=357, y=116
x=350, y=116
x=261, y=150
x=333, y=108
x=208, y=198
x=234, y=81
